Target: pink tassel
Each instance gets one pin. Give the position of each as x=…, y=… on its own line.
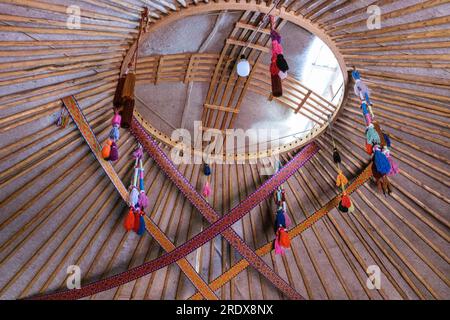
x=278, y=248
x=394, y=166
x=206, y=190
x=368, y=119
x=276, y=48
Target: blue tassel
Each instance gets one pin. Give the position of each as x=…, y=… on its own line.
x=381, y=162
x=356, y=75
x=114, y=134
x=141, y=184
x=372, y=135
x=367, y=98
x=141, y=226
x=280, y=220
x=388, y=140
x=206, y=169
x=364, y=108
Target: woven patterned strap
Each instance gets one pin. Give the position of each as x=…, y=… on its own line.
x=240, y=210
x=152, y=228
x=200, y=239
x=294, y=232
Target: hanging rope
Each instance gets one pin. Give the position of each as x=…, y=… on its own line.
x=282, y=220
x=378, y=143
x=345, y=203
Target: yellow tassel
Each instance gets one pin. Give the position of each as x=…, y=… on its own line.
x=341, y=180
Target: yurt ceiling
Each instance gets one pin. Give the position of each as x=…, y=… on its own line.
x=60, y=206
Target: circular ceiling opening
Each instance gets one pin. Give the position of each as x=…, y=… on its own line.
x=185, y=77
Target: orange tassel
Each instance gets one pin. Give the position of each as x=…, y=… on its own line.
x=341, y=180
x=129, y=220
x=369, y=148
x=106, y=150
x=284, y=239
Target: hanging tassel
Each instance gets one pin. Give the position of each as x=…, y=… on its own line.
x=394, y=166
x=138, y=153
x=116, y=120
x=206, y=189
x=362, y=91
x=356, y=75
x=274, y=70
x=106, y=150
x=206, y=170
x=134, y=197
x=345, y=201
x=129, y=220
x=141, y=229
x=284, y=239
x=137, y=215
x=277, y=49
x=282, y=75
x=336, y=156
x=142, y=200
x=372, y=135
x=114, y=134
x=114, y=153
x=117, y=102
x=342, y=208
x=282, y=63
x=280, y=220
x=369, y=148
x=278, y=248
x=381, y=162
x=277, y=89
x=341, y=179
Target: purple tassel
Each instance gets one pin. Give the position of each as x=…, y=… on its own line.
x=138, y=153
x=275, y=36
x=142, y=200
x=114, y=154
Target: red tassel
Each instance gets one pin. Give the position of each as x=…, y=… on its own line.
x=129, y=220
x=345, y=201
x=369, y=148
x=136, y=221
x=285, y=241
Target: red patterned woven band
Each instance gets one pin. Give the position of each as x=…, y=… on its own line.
x=216, y=228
